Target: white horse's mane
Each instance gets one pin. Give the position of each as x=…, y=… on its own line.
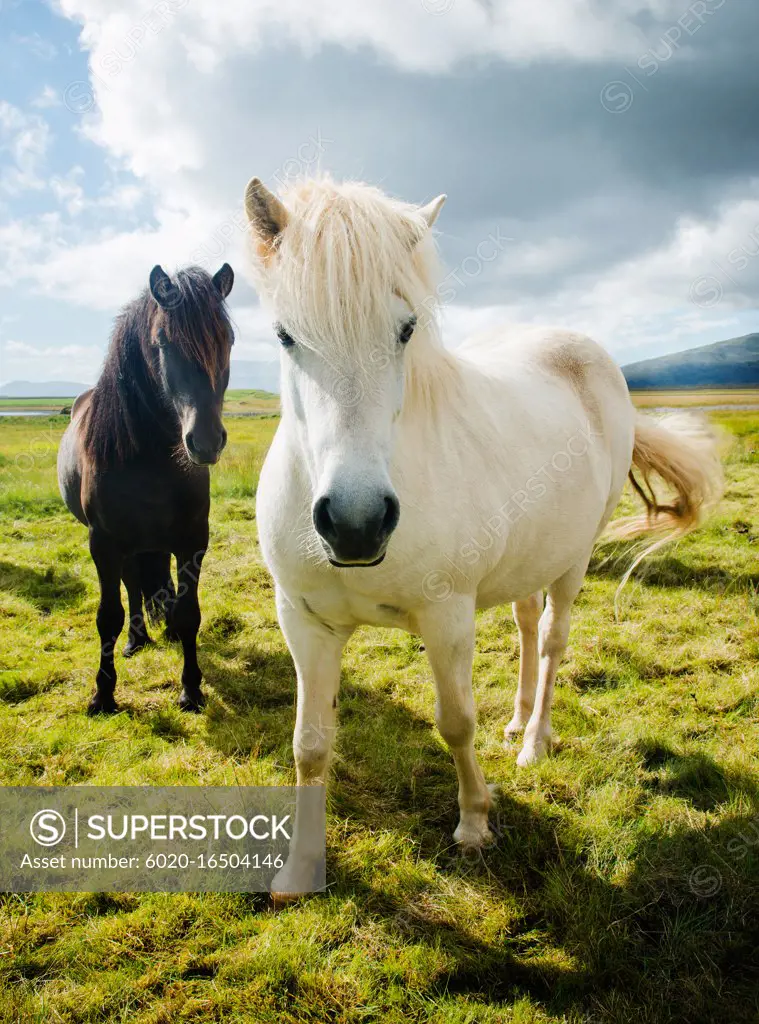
x=346, y=249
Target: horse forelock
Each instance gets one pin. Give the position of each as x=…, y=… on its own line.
x=346, y=250
x=197, y=321
x=334, y=274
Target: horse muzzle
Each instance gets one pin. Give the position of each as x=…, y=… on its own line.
x=205, y=453
x=356, y=534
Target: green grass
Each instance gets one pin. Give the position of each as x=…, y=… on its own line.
x=251, y=402
x=53, y=404
x=696, y=396
x=619, y=888
x=246, y=401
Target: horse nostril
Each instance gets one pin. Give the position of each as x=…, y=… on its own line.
x=392, y=514
x=189, y=440
x=223, y=439
x=323, y=520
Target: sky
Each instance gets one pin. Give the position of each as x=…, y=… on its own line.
x=601, y=157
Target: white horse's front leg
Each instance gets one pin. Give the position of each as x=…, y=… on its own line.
x=448, y=633
x=316, y=649
x=527, y=617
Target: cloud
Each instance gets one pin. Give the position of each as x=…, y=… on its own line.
x=68, y=190
x=431, y=35
x=24, y=141
x=47, y=98
x=151, y=69
x=254, y=335
x=101, y=273
x=614, y=219
x=704, y=271
x=50, y=362
x=705, y=265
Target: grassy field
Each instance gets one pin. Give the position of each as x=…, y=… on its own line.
x=238, y=402
x=701, y=397
x=251, y=401
x=624, y=884
x=51, y=405
x=241, y=402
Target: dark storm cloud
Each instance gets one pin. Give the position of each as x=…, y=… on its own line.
x=544, y=151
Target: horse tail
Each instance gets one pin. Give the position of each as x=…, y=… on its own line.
x=156, y=584
x=683, y=451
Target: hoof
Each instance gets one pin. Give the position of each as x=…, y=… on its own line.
x=472, y=836
x=133, y=646
x=291, y=883
x=284, y=899
x=191, y=701
x=536, y=748
x=102, y=704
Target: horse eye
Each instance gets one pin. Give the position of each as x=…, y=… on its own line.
x=283, y=336
x=407, y=330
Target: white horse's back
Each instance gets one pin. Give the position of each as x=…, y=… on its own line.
x=532, y=467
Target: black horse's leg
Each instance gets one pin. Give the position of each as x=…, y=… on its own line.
x=138, y=629
x=185, y=621
x=110, y=620
x=169, y=605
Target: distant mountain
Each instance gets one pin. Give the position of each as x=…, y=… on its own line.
x=44, y=389
x=726, y=364
x=249, y=373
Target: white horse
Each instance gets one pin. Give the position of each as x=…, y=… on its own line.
x=408, y=486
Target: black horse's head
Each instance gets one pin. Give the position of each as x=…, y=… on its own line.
x=192, y=338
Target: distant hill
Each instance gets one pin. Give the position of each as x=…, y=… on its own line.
x=42, y=389
x=726, y=364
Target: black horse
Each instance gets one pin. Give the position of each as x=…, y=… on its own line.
x=133, y=464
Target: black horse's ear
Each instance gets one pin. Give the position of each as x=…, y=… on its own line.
x=224, y=279
x=162, y=288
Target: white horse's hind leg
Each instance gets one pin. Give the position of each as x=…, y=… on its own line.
x=552, y=643
x=448, y=634
x=527, y=617
x=317, y=651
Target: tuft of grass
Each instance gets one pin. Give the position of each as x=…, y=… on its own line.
x=624, y=879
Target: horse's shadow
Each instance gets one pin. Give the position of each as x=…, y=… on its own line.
x=46, y=589
x=680, y=918
x=675, y=941
x=694, y=777
x=255, y=707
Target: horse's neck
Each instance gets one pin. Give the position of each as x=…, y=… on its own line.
x=434, y=380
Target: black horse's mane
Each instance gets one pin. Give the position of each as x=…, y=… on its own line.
x=128, y=412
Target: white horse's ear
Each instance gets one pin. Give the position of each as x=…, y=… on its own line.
x=431, y=211
x=266, y=213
